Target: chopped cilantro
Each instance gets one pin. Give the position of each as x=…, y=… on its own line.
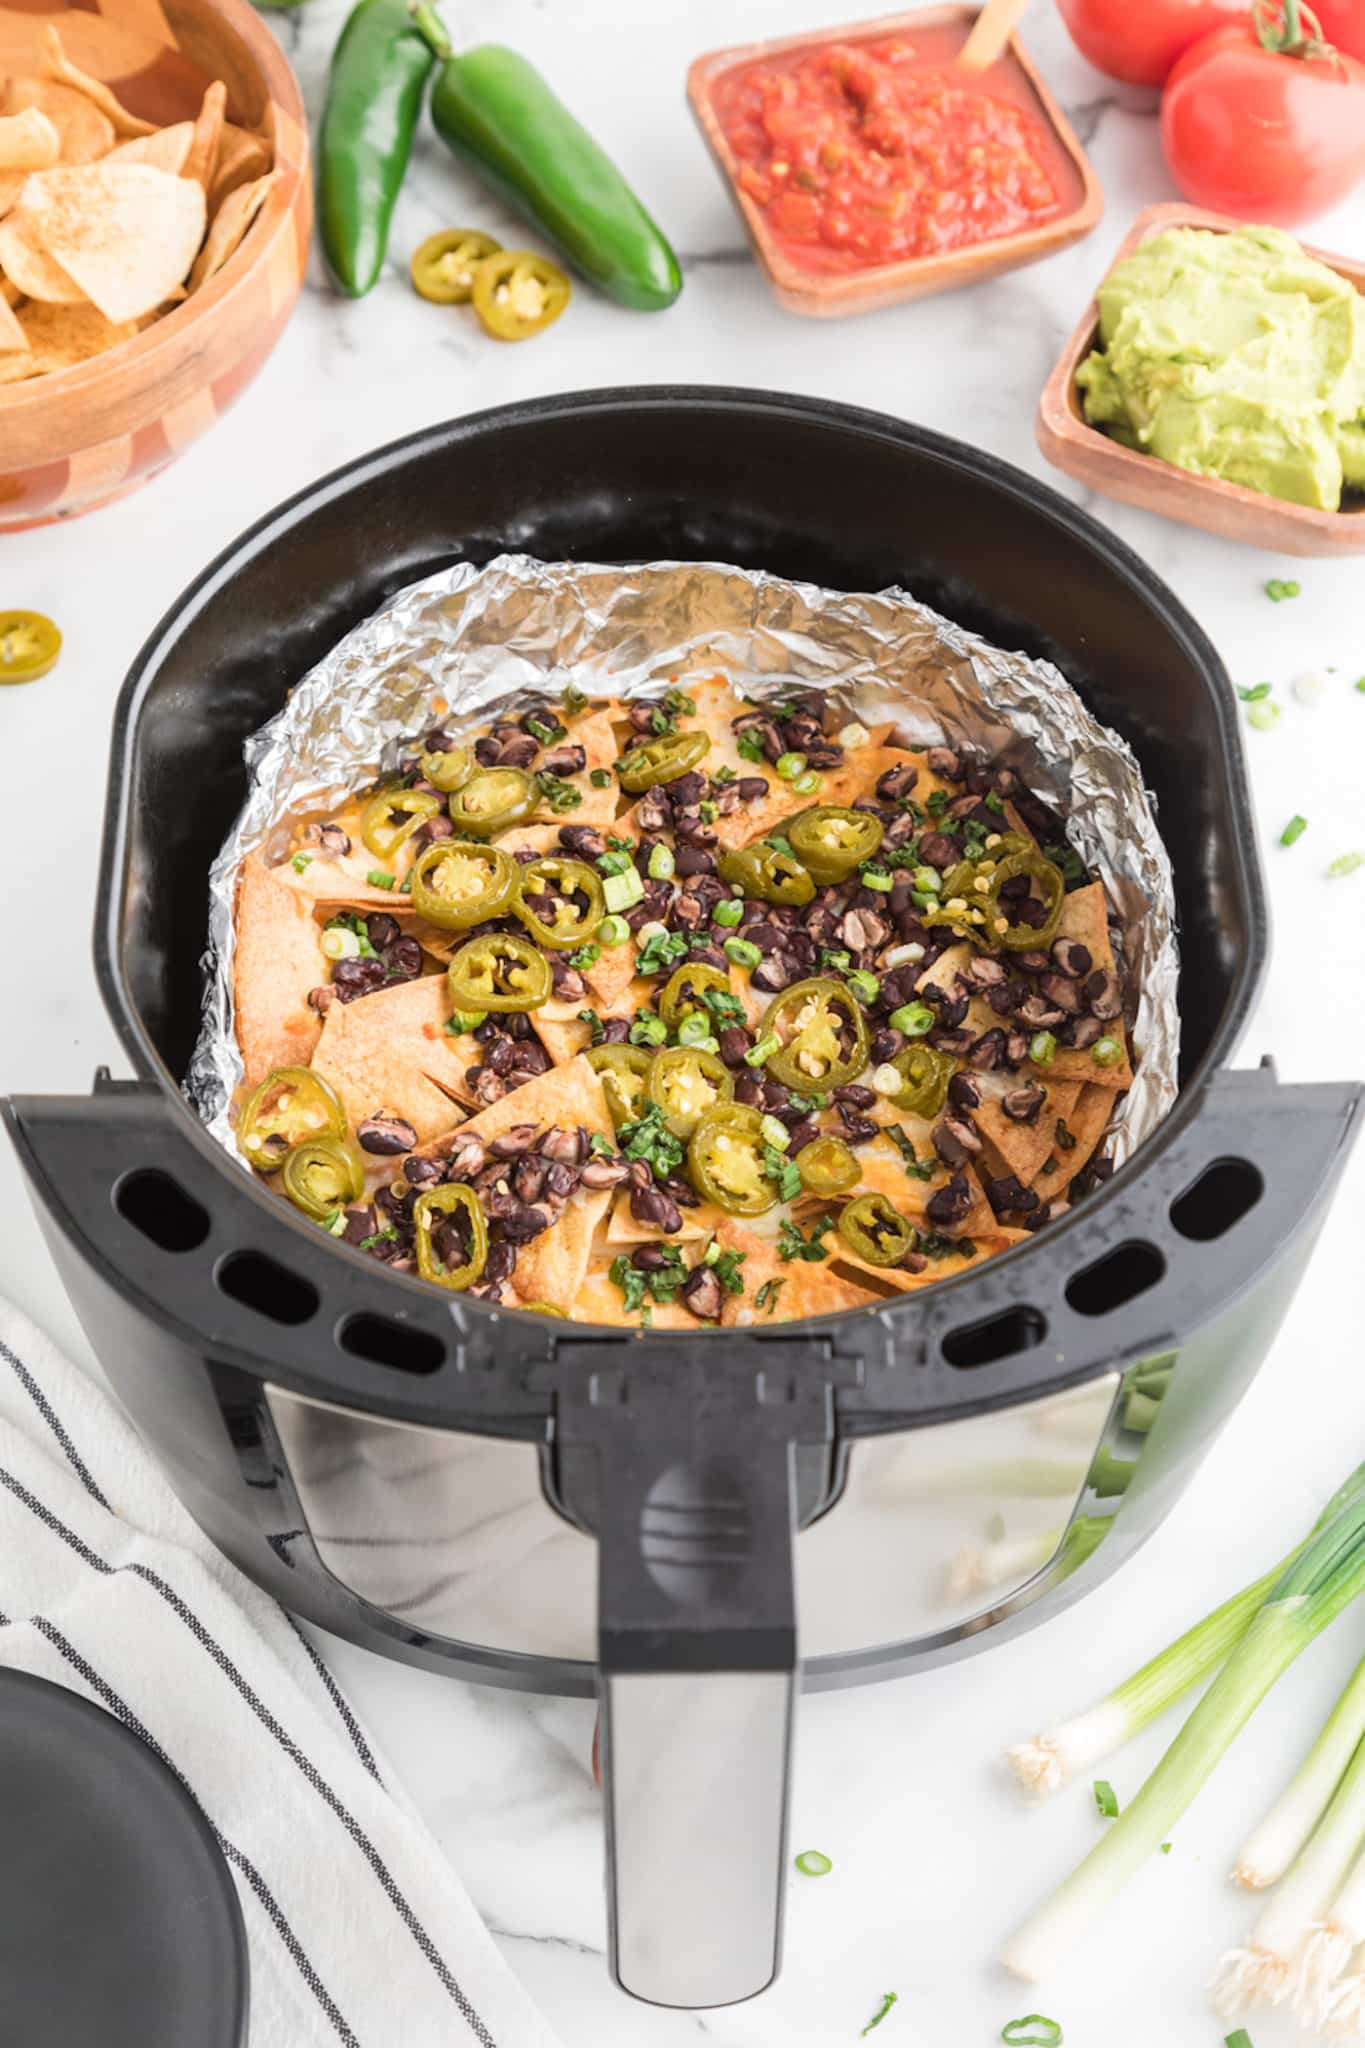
x=766, y=1298
x=680, y=704
x=792, y=1245
x=780, y=844
x=660, y=952
x=648, y=1137
x=614, y=863
x=918, y=1169
x=1254, y=693
x=630, y=1279
x=558, y=794
x=994, y=801
x=388, y=1235
x=1068, y=860
x=300, y=862
x=723, y=776
x=596, y=1028
x=749, y=746
x=662, y=1282
x=937, y=802
x=726, y=1268
x=547, y=730
x=586, y=956
x=600, y=1146
x=721, y=1003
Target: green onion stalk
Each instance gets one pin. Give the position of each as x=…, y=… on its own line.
x=1272, y=1847
x=1303, y=1940
x=1325, y=1577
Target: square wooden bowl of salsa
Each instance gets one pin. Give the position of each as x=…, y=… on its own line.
x=870, y=168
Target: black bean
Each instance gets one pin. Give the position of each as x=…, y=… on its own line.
x=1071, y=958
x=585, y=842
x=987, y=1052
x=885, y=1045
x=702, y=1293
x=570, y=760
x=944, y=763
x=524, y=1224
x=963, y=1092
x=693, y=860
x=939, y=850
x=751, y=788
x=386, y=1134
x=855, y=1095
x=733, y=1043
x=801, y=1134
x=1021, y=1105
x=897, y=782
x=950, y=1204
x=352, y=978
x=749, y=1089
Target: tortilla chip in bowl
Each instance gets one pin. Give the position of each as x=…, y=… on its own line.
x=153, y=140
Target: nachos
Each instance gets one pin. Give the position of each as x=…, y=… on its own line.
x=678, y=1013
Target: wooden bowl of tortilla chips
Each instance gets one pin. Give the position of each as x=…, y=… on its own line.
x=155, y=209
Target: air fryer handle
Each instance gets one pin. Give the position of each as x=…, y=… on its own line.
x=694, y=1474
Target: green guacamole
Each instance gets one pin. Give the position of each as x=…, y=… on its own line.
x=1234, y=356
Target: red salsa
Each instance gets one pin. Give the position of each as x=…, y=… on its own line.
x=865, y=153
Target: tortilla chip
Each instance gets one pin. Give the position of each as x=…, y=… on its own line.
x=242, y=157
x=552, y=1266
x=882, y=1172
x=58, y=67
x=124, y=233
x=596, y=734
x=1024, y=1147
x=84, y=134
x=27, y=263
x=278, y=959
x=897, y=1280
x=166, y=150
x=28, y=141
x=1087, y=1124
x=59, y=337
x=202, y=161
x=569, y=1096
x=12, y=335
x=1085, y=916
x=806, y=1290
x=230, y=225
x=856, y=777
x=341, y=883
x=389, y=1051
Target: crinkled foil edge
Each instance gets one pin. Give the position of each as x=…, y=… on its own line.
x=519, y=629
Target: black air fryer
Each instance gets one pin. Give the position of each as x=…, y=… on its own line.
x=650, y=1516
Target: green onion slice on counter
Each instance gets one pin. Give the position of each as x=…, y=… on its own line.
x=1345, y=864
x=1035, y=2030
x=1295, y=829
x=1241, y=2039
x=1106, y=1799
x=814, y=1863
x=888, y=2000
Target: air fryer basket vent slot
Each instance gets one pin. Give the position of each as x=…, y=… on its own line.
x=1119, y=1277
x=161, y=1209
x=270, y=1289
x=1223, y=1194
x=382, y=1341
x=1000, y=1336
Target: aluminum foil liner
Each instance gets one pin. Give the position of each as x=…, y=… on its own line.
x=519, y=629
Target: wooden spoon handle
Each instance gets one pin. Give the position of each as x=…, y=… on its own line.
x=990, y=33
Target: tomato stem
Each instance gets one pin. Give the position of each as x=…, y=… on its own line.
x=1290, y=28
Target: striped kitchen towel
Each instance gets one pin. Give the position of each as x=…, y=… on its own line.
x=360, y=1932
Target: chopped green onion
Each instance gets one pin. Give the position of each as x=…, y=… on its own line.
x=743, y=952
x=807, y=784
x=379, y=878
x=648, y=1030
x=1327, y=1574
x=1106, y=1799
x=586, y=956
x=661, y=863
x=600, y=778
x=775, y=1133
x=789, y=766
x=888, y=2000
x=764, y=1050
x=1254, y=693
x=1264, y=717
x=1042, y=1049
x=1295, y=829
x=335, y=1224
x=1045, y=2033
x=1360, y=684
x=340, y=944
x=1345, y=864
x=1241, y=2039
x=814, y=1863
x=863, y=985
x=707, y=812
x=623, y=891
x=300, y=862
x=613, y=931
x=728, y=913
x=460, y=1022
x=694, y=1028
x=1165, y=1848
x=914, y=1019
x=880, y=879
x=927, y=880
x=1105, y=1052
x=1277, y=589
x=614, y=863
x=833, y=956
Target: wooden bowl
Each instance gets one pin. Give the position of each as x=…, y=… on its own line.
x=1230, y=510
x=83, y=437
x=912, y=277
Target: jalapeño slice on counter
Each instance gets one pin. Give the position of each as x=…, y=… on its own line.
x=687, y=1084
x=572, y=888
x=661, y=760
x=727, y=1160
x=452, y=1236
x=455, y=883
x=393, y=816
x=830, y=842
x=517, y=294
x=446, y=265
x=821, y=1035
x=491, y=800
x=767, y=874
x=876, y=1230
x=623, y=1071
x=925, y=1075
x=450, y=770
x=1024, y=938
x=498, y=972
x=29, y=646
x=290, y=1106
x=323, y=1175
x=828, y=1167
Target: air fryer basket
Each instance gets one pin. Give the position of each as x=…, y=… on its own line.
x=690, y=1461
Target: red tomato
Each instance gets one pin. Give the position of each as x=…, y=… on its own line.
x=1140, y=42
x=1260, y=134
x=1343, y=24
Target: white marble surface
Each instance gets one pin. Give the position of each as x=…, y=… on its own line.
x=899, y=1784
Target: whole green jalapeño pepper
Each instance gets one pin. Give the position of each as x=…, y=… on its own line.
x=374, y=97
x=496, y=112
